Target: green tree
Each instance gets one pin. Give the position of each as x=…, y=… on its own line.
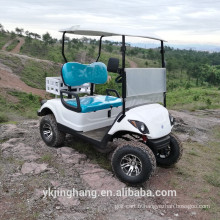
x=13, y=35
x=47, y=39
x=19, y=31
x=196, y=72
x=2, y=28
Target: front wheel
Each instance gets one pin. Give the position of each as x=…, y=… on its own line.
x=171, y=154
x=133, y=163
x=49, y=131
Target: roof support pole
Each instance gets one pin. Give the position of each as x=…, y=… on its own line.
x=163, y=66
x=63, y=41
x=100, y=48
x=123, y=49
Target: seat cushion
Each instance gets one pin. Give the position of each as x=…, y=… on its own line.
x=95, y=103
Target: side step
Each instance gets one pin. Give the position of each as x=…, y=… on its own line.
x=97, y=134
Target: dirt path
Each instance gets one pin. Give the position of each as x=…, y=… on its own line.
x=19, y=45
x=11, y=81
x=132, y=63
x=6, y=45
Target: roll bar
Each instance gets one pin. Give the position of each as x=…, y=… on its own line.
x=123, y=50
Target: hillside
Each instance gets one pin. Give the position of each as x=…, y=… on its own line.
x=31, y=60
x=27, y=165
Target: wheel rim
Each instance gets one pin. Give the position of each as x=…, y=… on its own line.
x=47, y=131
x=131, y=165
x=164, y=153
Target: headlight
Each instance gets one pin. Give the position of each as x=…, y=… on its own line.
x=140, y=126
x=172, y=119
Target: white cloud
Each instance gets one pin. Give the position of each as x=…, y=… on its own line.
x=186, y=21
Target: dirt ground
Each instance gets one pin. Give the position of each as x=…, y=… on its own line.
x=8, y=80
x=28, y=166
x=19, y=45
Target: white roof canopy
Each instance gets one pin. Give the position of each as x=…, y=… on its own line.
x=106, y=32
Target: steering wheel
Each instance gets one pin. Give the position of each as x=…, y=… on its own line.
x=118, y=79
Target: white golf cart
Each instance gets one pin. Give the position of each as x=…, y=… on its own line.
x=134, y=126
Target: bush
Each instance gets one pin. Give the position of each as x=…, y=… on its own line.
x=195, y=97
x=208, y=102
x=188, y=85
x=3, y=118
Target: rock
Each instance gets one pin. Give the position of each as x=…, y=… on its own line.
x=102, y=181
x=6, y=146
x=10, y=143
x=193, y=213
x=65, y=150
x=15, y=175
x=34, y=168
x=38, y=194
x=176, y=214
x=12, y=131
x=55, y=184
x=67, y=200
x=27, y=153
x=32, y=124
x=69, y=155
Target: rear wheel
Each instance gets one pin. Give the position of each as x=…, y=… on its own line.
x=171, y=154
x=133, y=163
x=49, y=131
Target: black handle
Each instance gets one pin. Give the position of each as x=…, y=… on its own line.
x=112, y=90
x=68, y=106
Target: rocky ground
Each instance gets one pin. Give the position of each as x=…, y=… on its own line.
x=28, y=166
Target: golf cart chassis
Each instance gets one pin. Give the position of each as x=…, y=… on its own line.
x=154, y=144
x=102, y=146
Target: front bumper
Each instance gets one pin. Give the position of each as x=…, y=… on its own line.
x=158, y=144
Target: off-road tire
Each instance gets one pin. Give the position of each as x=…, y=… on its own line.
x=142, y=152
x=176, y=151
x=57, y=137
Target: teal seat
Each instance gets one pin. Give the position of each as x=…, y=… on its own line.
x=95, y=103
x=76, y=74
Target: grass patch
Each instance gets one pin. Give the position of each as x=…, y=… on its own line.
x=34, y=73
x=208, y=98
x=3, y=117
x=47, y=158
x=26, y=106
x=13, y=62
x=12, y=45
x=193, y=153
x=183, y=172
x=3, y=140
x=213, y=179
x=198, y=173
x=9, y=122
x=4, y=38
x=216, y=132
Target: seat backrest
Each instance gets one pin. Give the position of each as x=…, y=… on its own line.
x=76, y=74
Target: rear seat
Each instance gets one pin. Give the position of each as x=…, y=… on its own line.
x=76, y=74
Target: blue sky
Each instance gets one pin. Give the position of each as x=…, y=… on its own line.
x=188, y=21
